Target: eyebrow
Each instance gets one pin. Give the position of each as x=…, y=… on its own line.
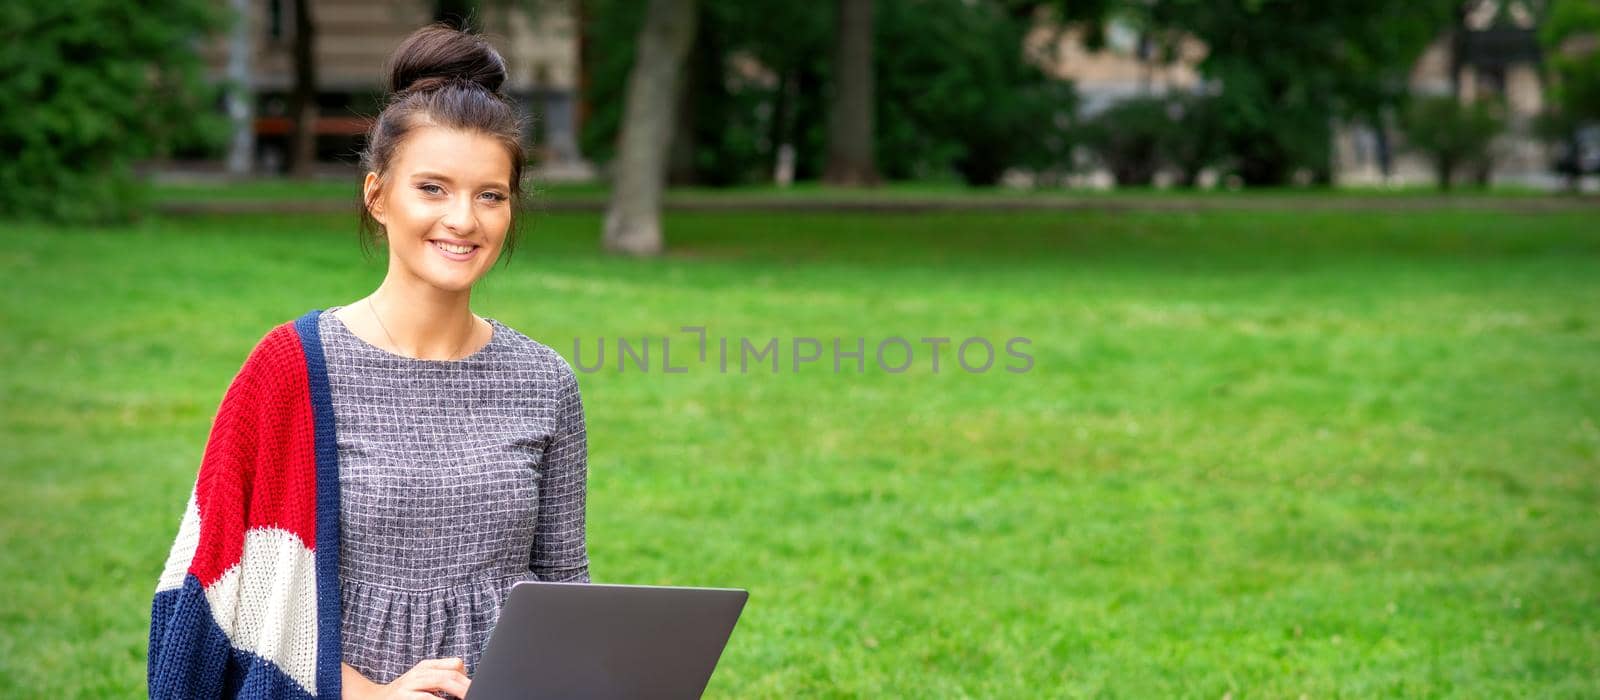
x=446, y=178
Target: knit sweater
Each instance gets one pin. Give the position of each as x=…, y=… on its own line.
x=248, y=603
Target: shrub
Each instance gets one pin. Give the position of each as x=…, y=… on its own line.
x=1196, y=140
x=88, y=88
x=957, y=94
x=1450, y=134
x=1128, y=137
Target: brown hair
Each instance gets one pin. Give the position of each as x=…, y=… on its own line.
x=445, y=77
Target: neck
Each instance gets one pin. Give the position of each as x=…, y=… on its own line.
x=425, y=322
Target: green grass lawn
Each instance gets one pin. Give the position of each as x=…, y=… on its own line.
x=1270, y=454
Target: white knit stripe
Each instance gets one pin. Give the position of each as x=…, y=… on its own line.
x=267, y=604
x=183, y=547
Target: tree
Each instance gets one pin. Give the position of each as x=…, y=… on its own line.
x=1128, y=137
x=953, y=93
x=1286, y=69
x=850, y=121
x=633, y=216
x=959, y=96
x=87, y=88
x=240, y=93
x=303, y=98
x=1452, y=135
x=1195, y=141
x=1570, y=38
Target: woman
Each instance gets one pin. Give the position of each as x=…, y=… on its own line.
x=444, y=452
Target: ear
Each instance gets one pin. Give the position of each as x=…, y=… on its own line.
x=371, y=191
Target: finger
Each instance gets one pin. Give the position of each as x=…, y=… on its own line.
x=451, y=663
x=454, y=684
x=440, y=679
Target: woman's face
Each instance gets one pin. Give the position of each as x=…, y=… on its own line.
x=446, y=207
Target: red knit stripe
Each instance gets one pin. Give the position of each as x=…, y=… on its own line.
x=267, y=412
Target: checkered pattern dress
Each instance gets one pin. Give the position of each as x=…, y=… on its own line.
x=458, y=478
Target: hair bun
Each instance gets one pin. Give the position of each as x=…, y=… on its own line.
x=438, y=55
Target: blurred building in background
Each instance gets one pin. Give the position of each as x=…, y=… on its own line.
x=1128, y=65
x=1493, y=55
x=352, y=39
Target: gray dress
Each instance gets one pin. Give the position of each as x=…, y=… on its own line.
x=458, y=478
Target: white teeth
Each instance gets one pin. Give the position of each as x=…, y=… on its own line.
x=458, y=249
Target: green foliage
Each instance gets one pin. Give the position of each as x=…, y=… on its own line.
x=88, y=88
x=1136, y=137
x=730, y=110
x=955, y=93
x=1196, y=140
x=612, y=30
x=1553, y=126
x=1286, y=68
x=1570, y=36
x=1127, y=138
x=954, y=96
x=1452, y=134
x=758, y=50
x=1558, y=127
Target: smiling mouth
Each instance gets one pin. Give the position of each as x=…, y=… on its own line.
x=452, y=248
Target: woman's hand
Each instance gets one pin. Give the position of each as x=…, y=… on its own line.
x=429, y=675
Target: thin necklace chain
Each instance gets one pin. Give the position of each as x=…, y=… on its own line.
x=396, y=346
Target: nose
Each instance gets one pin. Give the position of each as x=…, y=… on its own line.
x=458, y=215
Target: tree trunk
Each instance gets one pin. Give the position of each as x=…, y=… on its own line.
x=699, y=68
x=1380, y=130
x=681, y=171
x=1575, y=175
x=241, y=91
x=778, y=130
x=851, y=161
x=303, y=103
x=585, y=57
x=809, y=109
x=633, y=216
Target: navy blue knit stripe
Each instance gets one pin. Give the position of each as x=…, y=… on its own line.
x=190, y=657
x=188, y=651
x=328, y=641
x=259, y=678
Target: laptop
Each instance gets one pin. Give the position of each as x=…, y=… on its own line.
x=605, y=640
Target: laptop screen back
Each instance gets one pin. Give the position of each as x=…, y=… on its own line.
x=595, y=640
